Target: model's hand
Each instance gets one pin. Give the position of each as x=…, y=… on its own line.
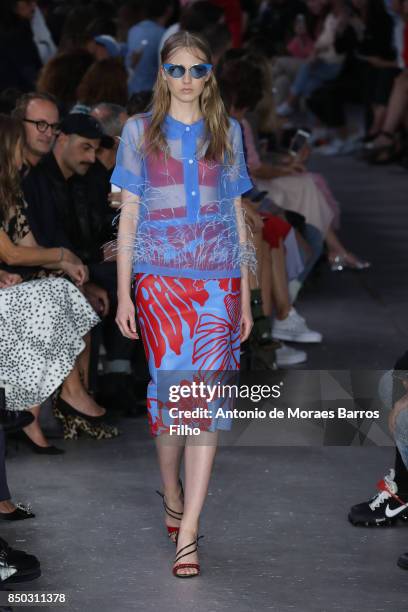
x=98, y=298
x=246, y=323
x=126, y=318
x=399, y=406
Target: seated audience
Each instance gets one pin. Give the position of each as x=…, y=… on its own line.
x=64, y=205
x=20, y=250
x=324, y=62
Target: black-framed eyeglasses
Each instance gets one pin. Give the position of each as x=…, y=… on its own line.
x=42, y=126
x=197, y=71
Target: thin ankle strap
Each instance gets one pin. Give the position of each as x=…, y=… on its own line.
x=195, y=543
x=169, y=510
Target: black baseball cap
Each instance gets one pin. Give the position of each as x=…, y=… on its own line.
x=86, y=126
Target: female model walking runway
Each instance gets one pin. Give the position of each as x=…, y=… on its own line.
x=182, y=171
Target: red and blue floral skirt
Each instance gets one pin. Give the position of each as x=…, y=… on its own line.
x=191, y=334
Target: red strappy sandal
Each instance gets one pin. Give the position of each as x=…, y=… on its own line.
x=172, y=532
x=179, y=566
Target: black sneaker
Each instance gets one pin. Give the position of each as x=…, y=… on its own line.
x=403, y=561
x=385, y=508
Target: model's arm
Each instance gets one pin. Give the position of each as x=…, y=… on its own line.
x=128, y=220
x=246, y=316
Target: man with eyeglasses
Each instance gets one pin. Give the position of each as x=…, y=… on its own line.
x=40, y=117
x=59, y=155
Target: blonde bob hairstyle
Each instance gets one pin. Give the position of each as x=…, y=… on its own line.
x=212, y=107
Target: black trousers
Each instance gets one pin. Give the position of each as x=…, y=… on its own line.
x=4, y=490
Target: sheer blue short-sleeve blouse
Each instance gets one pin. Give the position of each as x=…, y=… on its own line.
x=187, y=222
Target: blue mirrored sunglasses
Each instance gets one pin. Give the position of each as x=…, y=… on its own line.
x=198, y=71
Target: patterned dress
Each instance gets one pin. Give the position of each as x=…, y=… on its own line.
x=16, y=226
x=42, y=325
x=187, y=257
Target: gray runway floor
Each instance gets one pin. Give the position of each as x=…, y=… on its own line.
x=275, y=522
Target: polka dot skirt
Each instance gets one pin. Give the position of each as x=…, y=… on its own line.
x=42, y=325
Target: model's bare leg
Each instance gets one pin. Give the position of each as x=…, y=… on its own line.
x=198, y=461
x=169, y=451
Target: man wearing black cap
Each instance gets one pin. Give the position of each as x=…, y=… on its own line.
x=66, y=208
x=53, y=211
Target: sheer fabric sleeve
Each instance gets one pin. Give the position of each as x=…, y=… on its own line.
x=237, y=179
x=129, y=171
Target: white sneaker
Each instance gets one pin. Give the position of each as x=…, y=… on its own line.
x=294, y=329
x=286, y=356
x=284, y=110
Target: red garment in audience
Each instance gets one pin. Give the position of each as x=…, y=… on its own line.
x=275, y=229
x=233, y=19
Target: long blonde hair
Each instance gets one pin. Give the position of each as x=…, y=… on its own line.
x=212, y=107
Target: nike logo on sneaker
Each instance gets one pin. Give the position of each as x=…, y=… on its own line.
x=391, y=513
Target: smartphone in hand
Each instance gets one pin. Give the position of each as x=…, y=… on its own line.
x=300, y=140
